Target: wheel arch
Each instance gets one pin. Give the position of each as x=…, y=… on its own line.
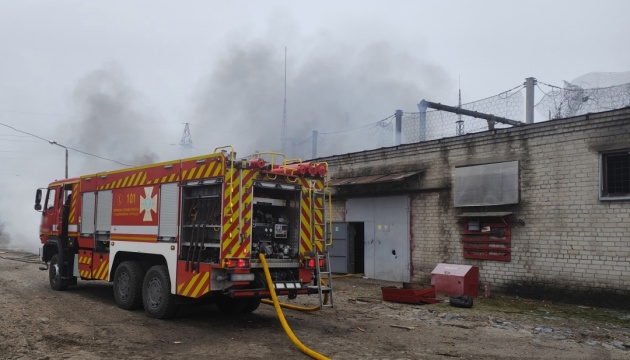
x=52, y=247
x=145, y=260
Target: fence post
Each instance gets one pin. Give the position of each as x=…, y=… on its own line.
x=398, y=128
x=422, y=121
x=314, y=144
x=529, y=100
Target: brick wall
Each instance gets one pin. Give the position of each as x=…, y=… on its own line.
x=563, y=236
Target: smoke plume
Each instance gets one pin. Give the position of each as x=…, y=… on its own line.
x=330, y=88
x=110, y=121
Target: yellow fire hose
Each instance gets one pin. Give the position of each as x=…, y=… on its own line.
x=283, y=321
x=346, y=275
x=290, y=306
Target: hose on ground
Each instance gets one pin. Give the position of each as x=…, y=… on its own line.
x=283, y=321
x=346, y=275
x=291, y=306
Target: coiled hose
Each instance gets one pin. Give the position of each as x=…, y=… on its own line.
x=283, y=321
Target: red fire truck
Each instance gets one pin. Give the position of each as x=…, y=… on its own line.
x=191, y=229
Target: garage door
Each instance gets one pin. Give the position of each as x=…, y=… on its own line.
x=386, y=222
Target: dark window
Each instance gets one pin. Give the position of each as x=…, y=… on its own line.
x=616, y=174
x=486, y=184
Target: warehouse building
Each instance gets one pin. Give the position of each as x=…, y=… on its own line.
x=541, y=209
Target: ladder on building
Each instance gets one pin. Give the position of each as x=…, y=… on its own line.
x=319, y=230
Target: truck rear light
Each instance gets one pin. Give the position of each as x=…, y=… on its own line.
x=310, y=263
x=237, y=263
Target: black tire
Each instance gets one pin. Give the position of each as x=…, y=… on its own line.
x=157, y=299
x=54, y=274
x=463, y=301
x=128, y=285
x=231, y=306
x=251, y=305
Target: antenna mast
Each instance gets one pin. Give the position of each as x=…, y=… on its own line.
x=283, y=134
x=459, y=124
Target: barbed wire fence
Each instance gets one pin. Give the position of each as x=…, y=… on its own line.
x=571, y=100
x=574, y=100
x=439, y=124
x=370, y=136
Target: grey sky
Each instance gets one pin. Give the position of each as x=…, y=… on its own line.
x=118, y=78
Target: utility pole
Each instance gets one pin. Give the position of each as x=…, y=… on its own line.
x=529, y=99
x=56, y=143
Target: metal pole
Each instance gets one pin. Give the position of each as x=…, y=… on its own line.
x=398, y=127
x=422, y=120
x=428, y=104
x=314, y=144
x=529, y=100
x=283, y=133
x=56, y=143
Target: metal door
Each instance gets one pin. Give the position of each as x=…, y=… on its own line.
x=386, y=222
x=339, y=249
x=169, y=204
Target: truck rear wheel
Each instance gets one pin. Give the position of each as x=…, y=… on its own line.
x=232, y=306
x=251, y=305
x=54, y=274
x=158, y=301
x=128, y=285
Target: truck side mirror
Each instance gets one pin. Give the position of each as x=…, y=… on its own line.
x=38, y=200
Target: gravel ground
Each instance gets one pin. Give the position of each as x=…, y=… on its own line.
x=84, y=323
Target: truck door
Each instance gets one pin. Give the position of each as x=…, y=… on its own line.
x=64, y=207
x=51, y=216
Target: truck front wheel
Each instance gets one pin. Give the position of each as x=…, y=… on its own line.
x=54, y=274
x=156, y=293
x=128, y=285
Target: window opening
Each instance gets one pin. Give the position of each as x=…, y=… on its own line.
x=616, y=174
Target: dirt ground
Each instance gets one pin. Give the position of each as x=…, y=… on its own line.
x=84, y=323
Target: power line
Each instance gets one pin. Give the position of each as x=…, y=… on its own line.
x=73, y=149
x=32, y=113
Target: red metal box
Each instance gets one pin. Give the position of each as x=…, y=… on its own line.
x=454, y=279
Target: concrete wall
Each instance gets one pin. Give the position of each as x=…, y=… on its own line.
x=563, y=236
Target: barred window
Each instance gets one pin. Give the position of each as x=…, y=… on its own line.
x=615, y=175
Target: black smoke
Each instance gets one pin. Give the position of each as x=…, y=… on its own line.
x=329, y=89
x=111, y=122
